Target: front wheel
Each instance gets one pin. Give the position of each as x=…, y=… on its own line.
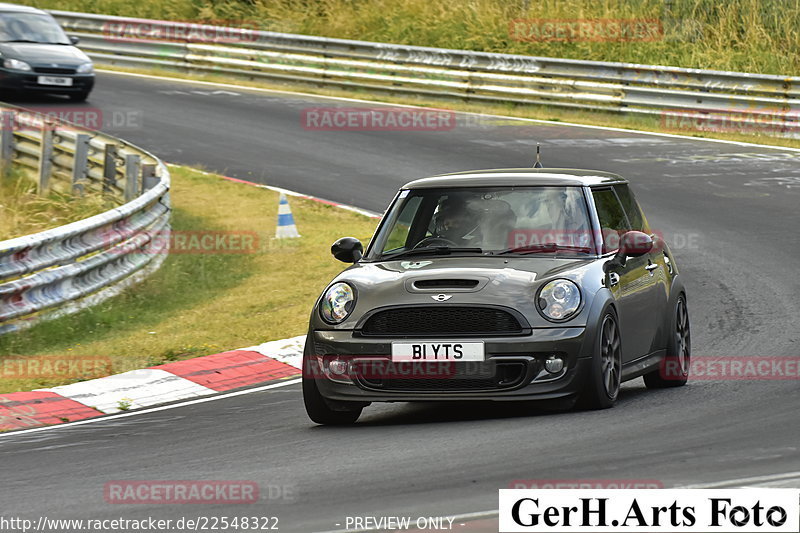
x=320, y=412
x=674, y=369
x=319, y=409
x=602, y=386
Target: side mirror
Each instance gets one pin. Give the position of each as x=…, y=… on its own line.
x=74, y=40
x=635, y=244
x=631, y=244
x=347, y=250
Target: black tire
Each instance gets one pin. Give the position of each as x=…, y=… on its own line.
x=79, y=97
x=601, y=389
x=320, y=410
x=674, y=369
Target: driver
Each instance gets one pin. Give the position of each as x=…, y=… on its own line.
x=456, y=222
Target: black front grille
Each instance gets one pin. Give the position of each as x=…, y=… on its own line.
x=504, y=377
x=442, y=320
x=53, y=70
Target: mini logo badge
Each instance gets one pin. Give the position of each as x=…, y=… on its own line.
x=442, y=297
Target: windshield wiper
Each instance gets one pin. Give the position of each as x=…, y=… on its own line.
x=432, y=250
x=547, y=247
x=24, y=41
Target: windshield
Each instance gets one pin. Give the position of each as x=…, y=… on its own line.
x=31, y=27
x=489, y=221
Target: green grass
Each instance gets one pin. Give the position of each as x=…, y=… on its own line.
x=199, y=303
x=23, y=211
x=744, y=35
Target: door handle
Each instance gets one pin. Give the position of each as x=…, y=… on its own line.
x=651, y=266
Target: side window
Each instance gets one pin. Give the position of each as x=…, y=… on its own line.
x=631, y=207
x=397, y=238
x=613, y=222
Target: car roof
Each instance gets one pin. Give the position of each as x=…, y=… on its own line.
x=518, y=177
x=6, y=8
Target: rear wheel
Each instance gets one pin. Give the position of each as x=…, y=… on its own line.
x=320, y=410
x=674, y=369
x=602, y=387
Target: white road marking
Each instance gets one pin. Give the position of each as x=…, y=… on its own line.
x=749, y=481
x=790, y=182
x=582, y=143
x=201, y=93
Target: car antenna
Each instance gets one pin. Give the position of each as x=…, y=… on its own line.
x=538, y=163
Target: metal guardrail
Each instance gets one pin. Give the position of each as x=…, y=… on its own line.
x=763, y=102
x=61, y=270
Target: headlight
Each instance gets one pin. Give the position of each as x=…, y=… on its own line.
x=559, y=300
x=16, y=64
x=337, y=303
x=86, y=68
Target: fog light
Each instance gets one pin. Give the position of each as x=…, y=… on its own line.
x=554, y=365
x=338, y=366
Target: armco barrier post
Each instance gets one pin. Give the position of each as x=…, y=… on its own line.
x=132, y=163
x=109, y=169
x=149, y=178
x=6, y=141
x=80, y=163
x=45, y=157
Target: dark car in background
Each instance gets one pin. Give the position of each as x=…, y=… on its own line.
x=36, y=56
x=516, y=284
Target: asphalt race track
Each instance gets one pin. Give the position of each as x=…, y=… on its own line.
x=729, y=211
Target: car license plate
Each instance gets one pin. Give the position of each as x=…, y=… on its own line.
x=437, y=351
x=53, y=80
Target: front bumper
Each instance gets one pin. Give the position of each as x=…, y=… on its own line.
x=29, y=81
x=513, y=369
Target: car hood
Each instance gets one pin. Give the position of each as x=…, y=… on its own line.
x=470, y=280
x=44, y=54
